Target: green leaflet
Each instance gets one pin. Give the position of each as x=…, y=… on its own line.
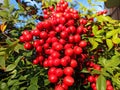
x=101, y=83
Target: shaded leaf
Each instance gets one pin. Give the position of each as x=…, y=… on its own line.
x=32, y=87
x=3, y=86
x=2, y=62
x=46, y=82
x=13, y=65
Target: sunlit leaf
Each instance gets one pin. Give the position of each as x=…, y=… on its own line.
x=94, y=43
x=3, y=14
x=111, y=33
x=109, y=43
x=116, y=39
x=6, y=3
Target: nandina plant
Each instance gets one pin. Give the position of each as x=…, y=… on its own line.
x=66, y=50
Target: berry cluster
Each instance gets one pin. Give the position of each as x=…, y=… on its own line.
x=58, y=43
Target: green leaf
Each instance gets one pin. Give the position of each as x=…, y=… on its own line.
x=33, y=84
x=6, y=3
x=3, y=14
x=102, y=18
x=32, y=87
x=94, y=43
x=46, y=82
x=100, y=32
x=116, y=39
x=99, y=40
x=102, y=61
x=13, y=73
x=105, y=73
x=112, y=63
x=2, y=62
x=95, y=72
x=109, y=43
x=110, y=70
x=2, y=53
x=3, y=86
x=111, y=33
x=13, y=65
x=10, y=67
x=95, y=29
x=11, y=82
x=34, y=80
x=23, y=88
x=101, y=83
x=116, y=79
x=18, y=47
x=11, y=9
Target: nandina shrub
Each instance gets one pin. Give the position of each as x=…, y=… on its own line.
x=65, y=51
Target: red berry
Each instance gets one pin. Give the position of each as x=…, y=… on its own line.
x=59, y=72
x=78, y=50
x=73, y=63
x=56, y=62
x=68, y=71
x=22, y=38
x=28, y=46
x=69, y=52
x=58, y=87
x=51, y=70
x=68, y=80
x=77, y=38
x=83, y=44
x=91, y=79
x=53, y=78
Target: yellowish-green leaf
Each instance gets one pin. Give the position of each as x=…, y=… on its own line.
x=111, y=33
x=6, y=3
x=94, y=43
x=3, y=13
x=95, y=29
x=109, y=44
x=99, y=40
x=116, y=39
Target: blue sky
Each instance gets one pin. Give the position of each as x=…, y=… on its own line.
x=84, y=2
